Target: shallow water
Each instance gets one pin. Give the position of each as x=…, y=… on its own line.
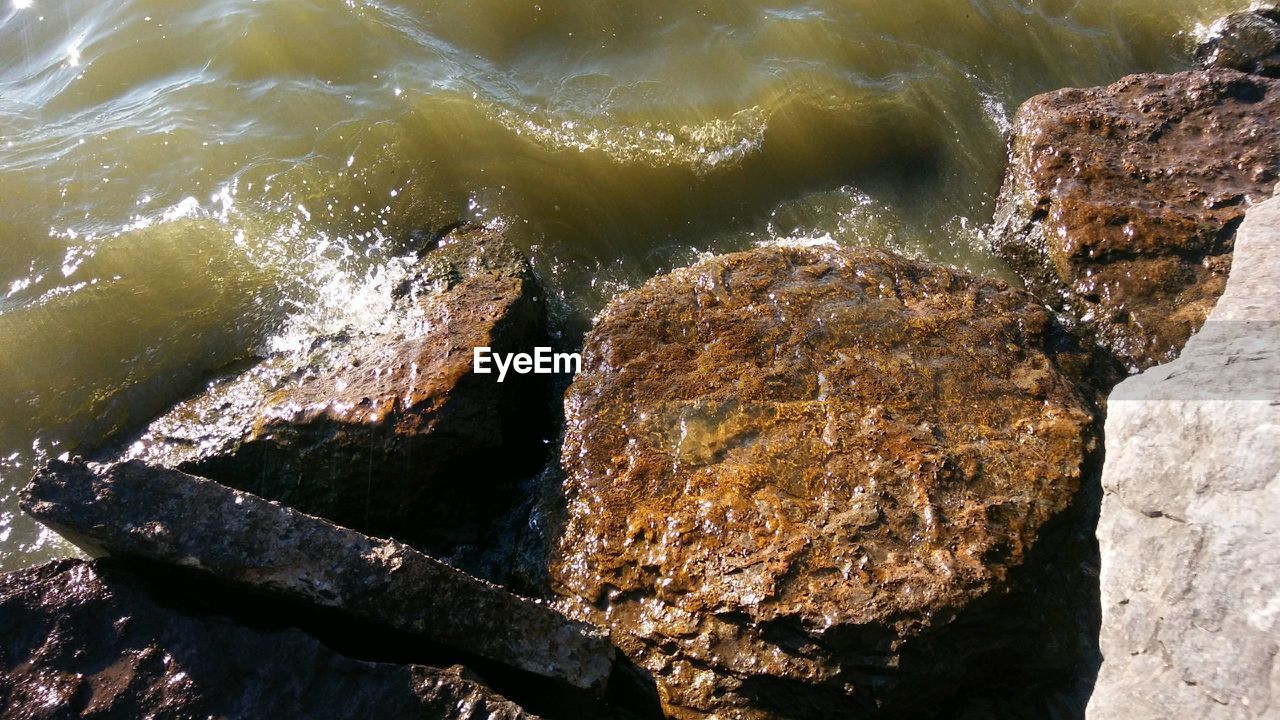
x=183, y=184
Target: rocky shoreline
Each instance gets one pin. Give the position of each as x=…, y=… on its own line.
x=793, y=482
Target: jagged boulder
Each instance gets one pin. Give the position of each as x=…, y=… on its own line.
x=135, y=510
x=87, y=640
x=384, y=428
x=813, y=483
x=1121, y=202
x=1190, y=546
x=1247, y=41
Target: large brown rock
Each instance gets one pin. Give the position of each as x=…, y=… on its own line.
x=1121, y=202
x=384, y=428
x=801, y=482
x=138, y=511
x=87, y=640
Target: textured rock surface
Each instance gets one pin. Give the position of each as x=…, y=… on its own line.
x=1247, y=41
x=1121, y=202
x=385, y=429
x=87, y=640
x=1190, y=547
x=132, y=509
x=798, y=480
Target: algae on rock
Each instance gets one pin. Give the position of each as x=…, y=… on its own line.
x=385, y=429
x=801, y=482
x=1121, y=202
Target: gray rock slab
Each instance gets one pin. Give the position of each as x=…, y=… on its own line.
x=1188, y=533
x=166, y=515
x=88, y=640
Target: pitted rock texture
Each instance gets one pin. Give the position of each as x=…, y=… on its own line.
x=1247, y=41
x=789, y=469
x=385, y=428
x=1190, y=545
x=134, y=510
x=86, y=640
x=1121, y=202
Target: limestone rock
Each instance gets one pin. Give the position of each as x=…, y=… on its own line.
x=87, y=640
x=135, y=510
x=1247, y=41
x=1190, y=546
x=1121, y=202
x=385, y=429
x=801, y=482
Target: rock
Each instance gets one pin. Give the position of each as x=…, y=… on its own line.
x=87, y=640
x=385, y=429
x=1121, y=203
x=1190, y=547
x=1247, y=41
x=135, y=510
x=805, y=483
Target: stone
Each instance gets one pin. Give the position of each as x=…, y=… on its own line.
x=384, y=428
x=1189, y=542
x=807, y=482
x=87, y=639
x=135, y=510
x=1247, y=41
x=1121, y=202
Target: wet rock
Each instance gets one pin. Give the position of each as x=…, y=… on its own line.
x=135, y=510
x=1247, y=41
x=88, y=640
x=1121, y=202
x=385, y=428
x=808, y=483
x=1190, y=547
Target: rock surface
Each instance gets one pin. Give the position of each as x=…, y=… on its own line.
x=1247, y=41
x=1121, y=202
x=1190, y=547
x=800, y=480
x=86, y=640
x=135, y=510
x=385, y=429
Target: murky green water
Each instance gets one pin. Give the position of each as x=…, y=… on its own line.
x=183, y=182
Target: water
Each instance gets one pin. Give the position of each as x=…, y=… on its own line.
x=183, y=184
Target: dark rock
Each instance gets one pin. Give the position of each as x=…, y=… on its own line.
x=87, y=640
x=385, y=429
x=1247, y=41
x=810, y=483
x=1121, y=202
x=135, y=510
